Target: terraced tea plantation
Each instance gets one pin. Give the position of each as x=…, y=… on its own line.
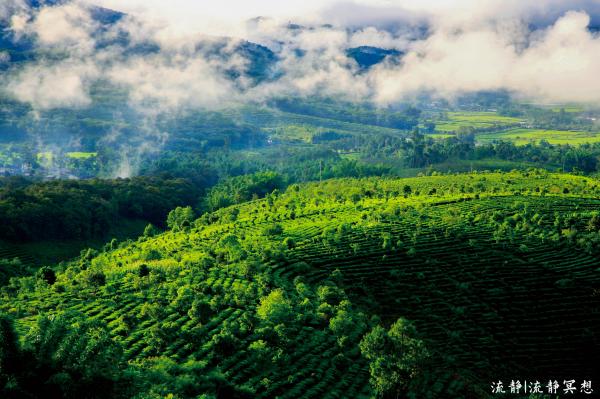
x=498, y=273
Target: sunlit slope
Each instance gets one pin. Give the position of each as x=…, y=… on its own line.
x=499, y=272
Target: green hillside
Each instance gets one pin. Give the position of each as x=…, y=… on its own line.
x=492, y=275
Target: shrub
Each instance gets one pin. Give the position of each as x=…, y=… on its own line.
x=275, y=307
x=273, y=230
x=180, y=217
x=143, y=270
x=47, y=274
x=289, y=243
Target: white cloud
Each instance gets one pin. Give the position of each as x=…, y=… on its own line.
x=18, y=23
x=65, y=26
x=9, y=8
x=178, y=82
x=559, y=64
x=371, y=36
x=4, y=57
x=45, y=86
x=68, y=27
x=470, y=45
x=489, y=47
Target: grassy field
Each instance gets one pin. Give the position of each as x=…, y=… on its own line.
x=526, y=136
x=301, y=133
x=440, y=135
x=81, y=155
x=48, y=156
x=45, y=157
x=496, y=270
x=350, y=155
x=476, y=120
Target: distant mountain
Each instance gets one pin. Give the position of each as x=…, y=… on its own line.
x=260, y=66
x=99, y=14
x=367, y=56
x=43, y=3
x=22, y=49
x=261, y=62
x=106, y=16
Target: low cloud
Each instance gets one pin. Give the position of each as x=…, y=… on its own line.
x=539, y=50
x=10, y=8
x=4, y=57
x=177, y=82
x=54, y=85
x=63, y=26
x=559, y=64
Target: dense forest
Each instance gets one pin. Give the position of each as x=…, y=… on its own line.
x=84, y=209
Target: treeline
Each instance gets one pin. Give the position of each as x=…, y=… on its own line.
x=420, y=151
x=85, y=209
x=243, y=177
x=239, y=189
x=242, y=188
x=542, y=118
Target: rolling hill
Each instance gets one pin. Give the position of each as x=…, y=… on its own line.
x=278, y=297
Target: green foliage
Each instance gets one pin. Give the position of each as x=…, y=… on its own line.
x=239, y=189
x=87, y=209
x=275, y=307
x=150, y=230
x=231, y=308
x=94, y=278
x=11, y=268
x=330, y=294
x=9, y=355
x=168, y=379
x=347, y=324
x=396, y=358
x=143, y=270
x=200, y=310
x=47, y=274
x=61, y=357
x=274, y=229
x=230, y=248
x=180, y=218
x=289, y=242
